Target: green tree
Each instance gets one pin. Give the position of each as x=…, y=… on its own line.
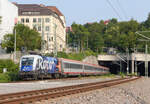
x=80, y=34
x=0, y=19
x=25, y=37
x=96, y=41
x=128, y=38
x=120, y=35
x=147, y=22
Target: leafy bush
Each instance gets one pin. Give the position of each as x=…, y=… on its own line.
x=82, y=55
x=4, y=77
x=62, y=55
x=133, y=74
x=122, y=74
x=12, y=71
x=74, y=56
x=8, y=77
x=9, y=64
x=13, y=76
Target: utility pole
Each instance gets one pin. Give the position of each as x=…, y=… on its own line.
x=48, y=37
x=127, y=60
x=146, y=62
x=136, y=65
x=146, y=49
x=87, y=42
x=42, y=40
x=15, y=47
x=55, y=42
x=120, y=66
x=146, y=55
x=67, y=38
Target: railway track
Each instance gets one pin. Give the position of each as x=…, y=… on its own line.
x=38, y=95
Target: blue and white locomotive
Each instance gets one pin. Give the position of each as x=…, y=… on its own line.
x=36, y=66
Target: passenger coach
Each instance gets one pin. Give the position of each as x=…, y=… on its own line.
x=72, y=67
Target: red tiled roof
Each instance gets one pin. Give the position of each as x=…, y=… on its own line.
x=68, y=29
x=55, y=9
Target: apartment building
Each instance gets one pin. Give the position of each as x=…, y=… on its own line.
x=9, y=14
x=48, y=21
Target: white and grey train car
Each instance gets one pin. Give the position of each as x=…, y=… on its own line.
x=72, y=67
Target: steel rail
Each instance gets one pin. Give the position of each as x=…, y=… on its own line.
x=38, y=95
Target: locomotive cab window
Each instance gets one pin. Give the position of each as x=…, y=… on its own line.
x=27, y=61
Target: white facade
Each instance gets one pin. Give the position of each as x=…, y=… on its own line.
x=49, y=35
x=50, y=25
x=8, y=12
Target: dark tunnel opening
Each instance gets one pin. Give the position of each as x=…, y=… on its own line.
x=115, y=67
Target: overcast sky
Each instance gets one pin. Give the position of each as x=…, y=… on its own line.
x=83, y=11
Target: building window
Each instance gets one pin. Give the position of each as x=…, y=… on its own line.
x=47, y=34
x=47, y=28
x=47, y=20
x=39, y=28
x=22, y=20
x=27, y=20
x=52, y=39
x=34, y=20
x=60, y=45
x=39, y=20
x=35, y=27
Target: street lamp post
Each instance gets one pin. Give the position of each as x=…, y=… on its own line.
x=42, y=39
x=127, y=61
x=135, y=65
x=120, y=66
x=55, y=42
x=146, y=61
x=15, y=47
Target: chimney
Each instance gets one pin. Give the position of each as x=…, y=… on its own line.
x=15, y=3
x=42, y=5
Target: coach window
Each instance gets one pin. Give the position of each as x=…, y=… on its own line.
x=75, y=66
x=66, y=65
x=102, y=70
x=22, y=20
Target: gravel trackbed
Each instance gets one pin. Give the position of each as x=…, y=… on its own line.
x=136, y=92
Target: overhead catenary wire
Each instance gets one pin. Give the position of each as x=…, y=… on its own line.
x=114, y=9
x=122, y=9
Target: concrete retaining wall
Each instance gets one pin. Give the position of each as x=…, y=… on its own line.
x=5, y=56
x=91, y=59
